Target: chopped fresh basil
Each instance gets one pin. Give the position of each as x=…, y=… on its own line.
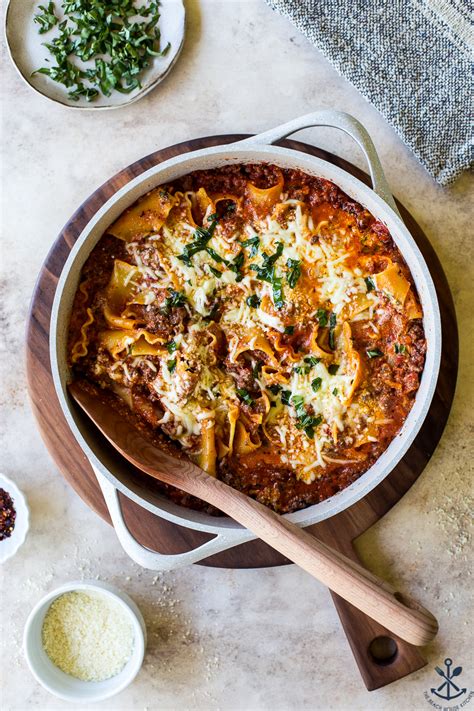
x=278, y=299
x=171, y=346
x=285, y=397
x=335, y=391
x=104, y=32
x=257, y=369
x=333, y=368
x=312, y=360
x=316, y=384
x=236, y=265
x=216, y=257
x=370, y=284
x=201, y=237
x=275, y=389
x=215, y=271
x=171, y=365
x=294, y=273
x=175, y=298
x=374, y=353
x=245, y=396
x=266, y=271
x=289, y=330
x=254, y=243
x=297, y=401
x=306, y=421
x=322, y=316
x=332, y=326
x=253, y=301
x=46, y=19
x=400, y=348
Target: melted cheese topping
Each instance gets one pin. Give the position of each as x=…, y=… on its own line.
x=266, y=280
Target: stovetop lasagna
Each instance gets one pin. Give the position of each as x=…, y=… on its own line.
x=258, y=321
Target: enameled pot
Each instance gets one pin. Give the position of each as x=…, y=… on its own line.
x=113, y=473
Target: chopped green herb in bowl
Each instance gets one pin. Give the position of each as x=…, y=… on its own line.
x=95, y=54
x=100, y=46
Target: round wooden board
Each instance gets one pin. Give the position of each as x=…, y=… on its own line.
x=161, y=535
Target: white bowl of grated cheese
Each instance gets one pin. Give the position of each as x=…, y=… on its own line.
x=85, y=641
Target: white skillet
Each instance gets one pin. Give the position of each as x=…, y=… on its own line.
x=115, y=475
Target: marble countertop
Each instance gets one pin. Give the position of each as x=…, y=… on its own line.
x=223, y=639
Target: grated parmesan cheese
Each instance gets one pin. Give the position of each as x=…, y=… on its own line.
x=87, y=635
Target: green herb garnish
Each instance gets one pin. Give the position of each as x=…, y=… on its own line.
x=266, y=271
x=171, y=364
x=297, y=401
x=104, y=32
x=310, y=362
x=236, y=265
x=217, y=257
x=277, y=292
x=175, y=298
x=257, y=369
x=253, y=301
x=322, y=316
x=215, y=271
x=285, y=397
x=306, y=421
x=400, y=348
x=289, y=330
x=316, y=384
x=294, y=273
x=171, y=346
x=374, y=353
x=46, y=19
x=335, y=391
x=201, y=237
x=370, y=284
x=333, y=368
x=245, y=396
x=254, y=243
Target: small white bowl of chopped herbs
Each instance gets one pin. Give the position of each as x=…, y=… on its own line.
x=94, y=54
x=85, y=641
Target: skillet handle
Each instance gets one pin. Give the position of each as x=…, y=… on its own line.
x=344, y=122
x=153, y=560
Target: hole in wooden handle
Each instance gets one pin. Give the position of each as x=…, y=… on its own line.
x=383, y=650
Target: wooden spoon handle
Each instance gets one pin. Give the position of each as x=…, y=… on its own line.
x=376, y=598
x=347, y=578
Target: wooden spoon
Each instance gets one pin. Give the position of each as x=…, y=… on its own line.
x=376, y=598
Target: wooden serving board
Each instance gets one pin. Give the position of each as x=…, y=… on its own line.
x=383, y=662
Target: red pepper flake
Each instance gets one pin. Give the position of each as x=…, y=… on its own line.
x=7, y=515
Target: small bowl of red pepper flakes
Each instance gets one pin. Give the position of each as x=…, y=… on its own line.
x=14, y=518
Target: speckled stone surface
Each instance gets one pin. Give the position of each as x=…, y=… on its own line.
x=221, y=639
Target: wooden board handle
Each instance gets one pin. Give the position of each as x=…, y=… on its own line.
x=381, y=656
x=359, y=587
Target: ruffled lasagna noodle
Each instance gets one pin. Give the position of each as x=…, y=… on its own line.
x=262, y=322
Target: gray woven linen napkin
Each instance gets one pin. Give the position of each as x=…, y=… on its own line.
x=411, y=59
